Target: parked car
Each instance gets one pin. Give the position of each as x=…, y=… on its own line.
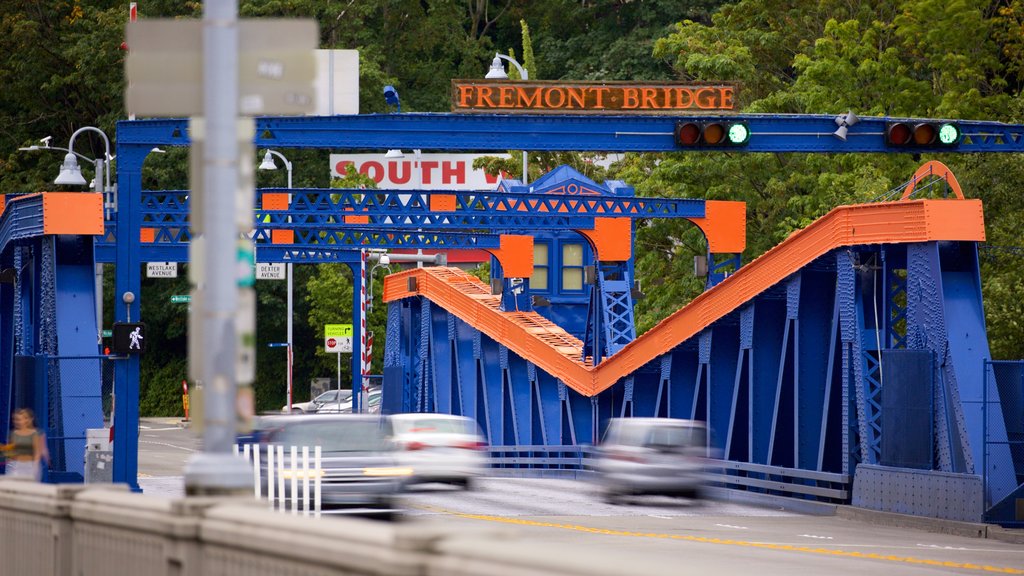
x=658, y=456
x=440, y=447
x=373, y=398
x=358, y=469
x=331, y=397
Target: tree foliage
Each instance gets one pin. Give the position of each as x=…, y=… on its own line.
x=61, y=68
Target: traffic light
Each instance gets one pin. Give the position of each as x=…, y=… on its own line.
x=928, y=134
x=713, y=133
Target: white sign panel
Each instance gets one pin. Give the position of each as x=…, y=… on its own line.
x=338, y=338
x=161, y=270
x=337, y=82
x=268, y=271
x=419, y=172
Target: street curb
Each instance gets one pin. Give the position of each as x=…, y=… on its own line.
x=1010, y=535
x=896, y=520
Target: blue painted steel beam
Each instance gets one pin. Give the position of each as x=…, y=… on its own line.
x=490, y=132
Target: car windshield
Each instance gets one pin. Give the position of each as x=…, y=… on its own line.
x=435, y=426
x=356, y=435
x=660, y=435
x=332, y=396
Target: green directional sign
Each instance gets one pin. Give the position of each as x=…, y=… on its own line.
x=181, y=298
x=107, y=333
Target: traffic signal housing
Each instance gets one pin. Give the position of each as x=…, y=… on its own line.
x=717, y=133
x=922, y=134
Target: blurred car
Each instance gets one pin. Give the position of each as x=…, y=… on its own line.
x=440, y=447
x=655, y=456
x=358, y=466
x=329, y=398
x=373, y=398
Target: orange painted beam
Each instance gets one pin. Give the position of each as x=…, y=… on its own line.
x=515, y=255
x=724, y=225
x=147, y=235
x=274, y=201
x=282, y=236
x=3, y=203
x=611, y=238
x=73, y=213
x=863, y=224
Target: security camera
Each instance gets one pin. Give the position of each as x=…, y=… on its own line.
x=46, y=141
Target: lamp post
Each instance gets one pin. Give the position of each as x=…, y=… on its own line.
x=497, y=72
x=71, y=175
x=268, y=164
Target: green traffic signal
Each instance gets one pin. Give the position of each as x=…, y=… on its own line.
x=739, y=134
x=949, y=134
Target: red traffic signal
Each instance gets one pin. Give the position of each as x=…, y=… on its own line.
x=713, y=133
x=929, y=134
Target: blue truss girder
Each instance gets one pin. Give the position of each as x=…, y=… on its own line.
x=616, y=290
x=364, y=237
x=789, y=381
x=492, y=132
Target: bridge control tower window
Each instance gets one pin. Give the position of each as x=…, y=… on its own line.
x=541, y=256
x=572, y=267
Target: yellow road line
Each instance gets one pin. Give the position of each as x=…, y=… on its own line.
x=729, y=542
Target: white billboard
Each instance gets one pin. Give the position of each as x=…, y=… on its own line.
x=419, y=171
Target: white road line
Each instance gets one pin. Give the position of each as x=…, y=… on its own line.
x=731, y=526
x=816, y=536
x=662, y=517
x=166, y=444
x=937, y=547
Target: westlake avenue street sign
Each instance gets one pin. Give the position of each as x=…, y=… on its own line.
x=594, y=97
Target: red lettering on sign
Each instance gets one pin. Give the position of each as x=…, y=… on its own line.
x=376, y=168
x=453, y=172
x=341, y=167
x=727, y=98
x=399, y=172
x=331, y=342
x=427, y=171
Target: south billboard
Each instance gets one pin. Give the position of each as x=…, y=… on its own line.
x=419, y=171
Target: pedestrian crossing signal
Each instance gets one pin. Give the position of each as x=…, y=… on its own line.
x=129, y=338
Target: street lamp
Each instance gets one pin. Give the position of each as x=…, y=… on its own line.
x=269, y=164
x=71, y=175
x=497, y=72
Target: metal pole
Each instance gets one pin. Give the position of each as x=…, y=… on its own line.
x=98, y=270
x=216, y=470
x=526, y=175
x=288, y=275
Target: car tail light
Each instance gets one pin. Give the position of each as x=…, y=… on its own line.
x=625, y=456
x=415, y=445
x=472, y=445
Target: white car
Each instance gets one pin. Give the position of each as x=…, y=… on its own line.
x=327, y=398
x=440, y=447
x=659, y=456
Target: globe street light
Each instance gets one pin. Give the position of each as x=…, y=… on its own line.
x=269, y=164
x=497, y=72
x=71, y=175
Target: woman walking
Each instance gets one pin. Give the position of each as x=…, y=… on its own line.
x=26, y=447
